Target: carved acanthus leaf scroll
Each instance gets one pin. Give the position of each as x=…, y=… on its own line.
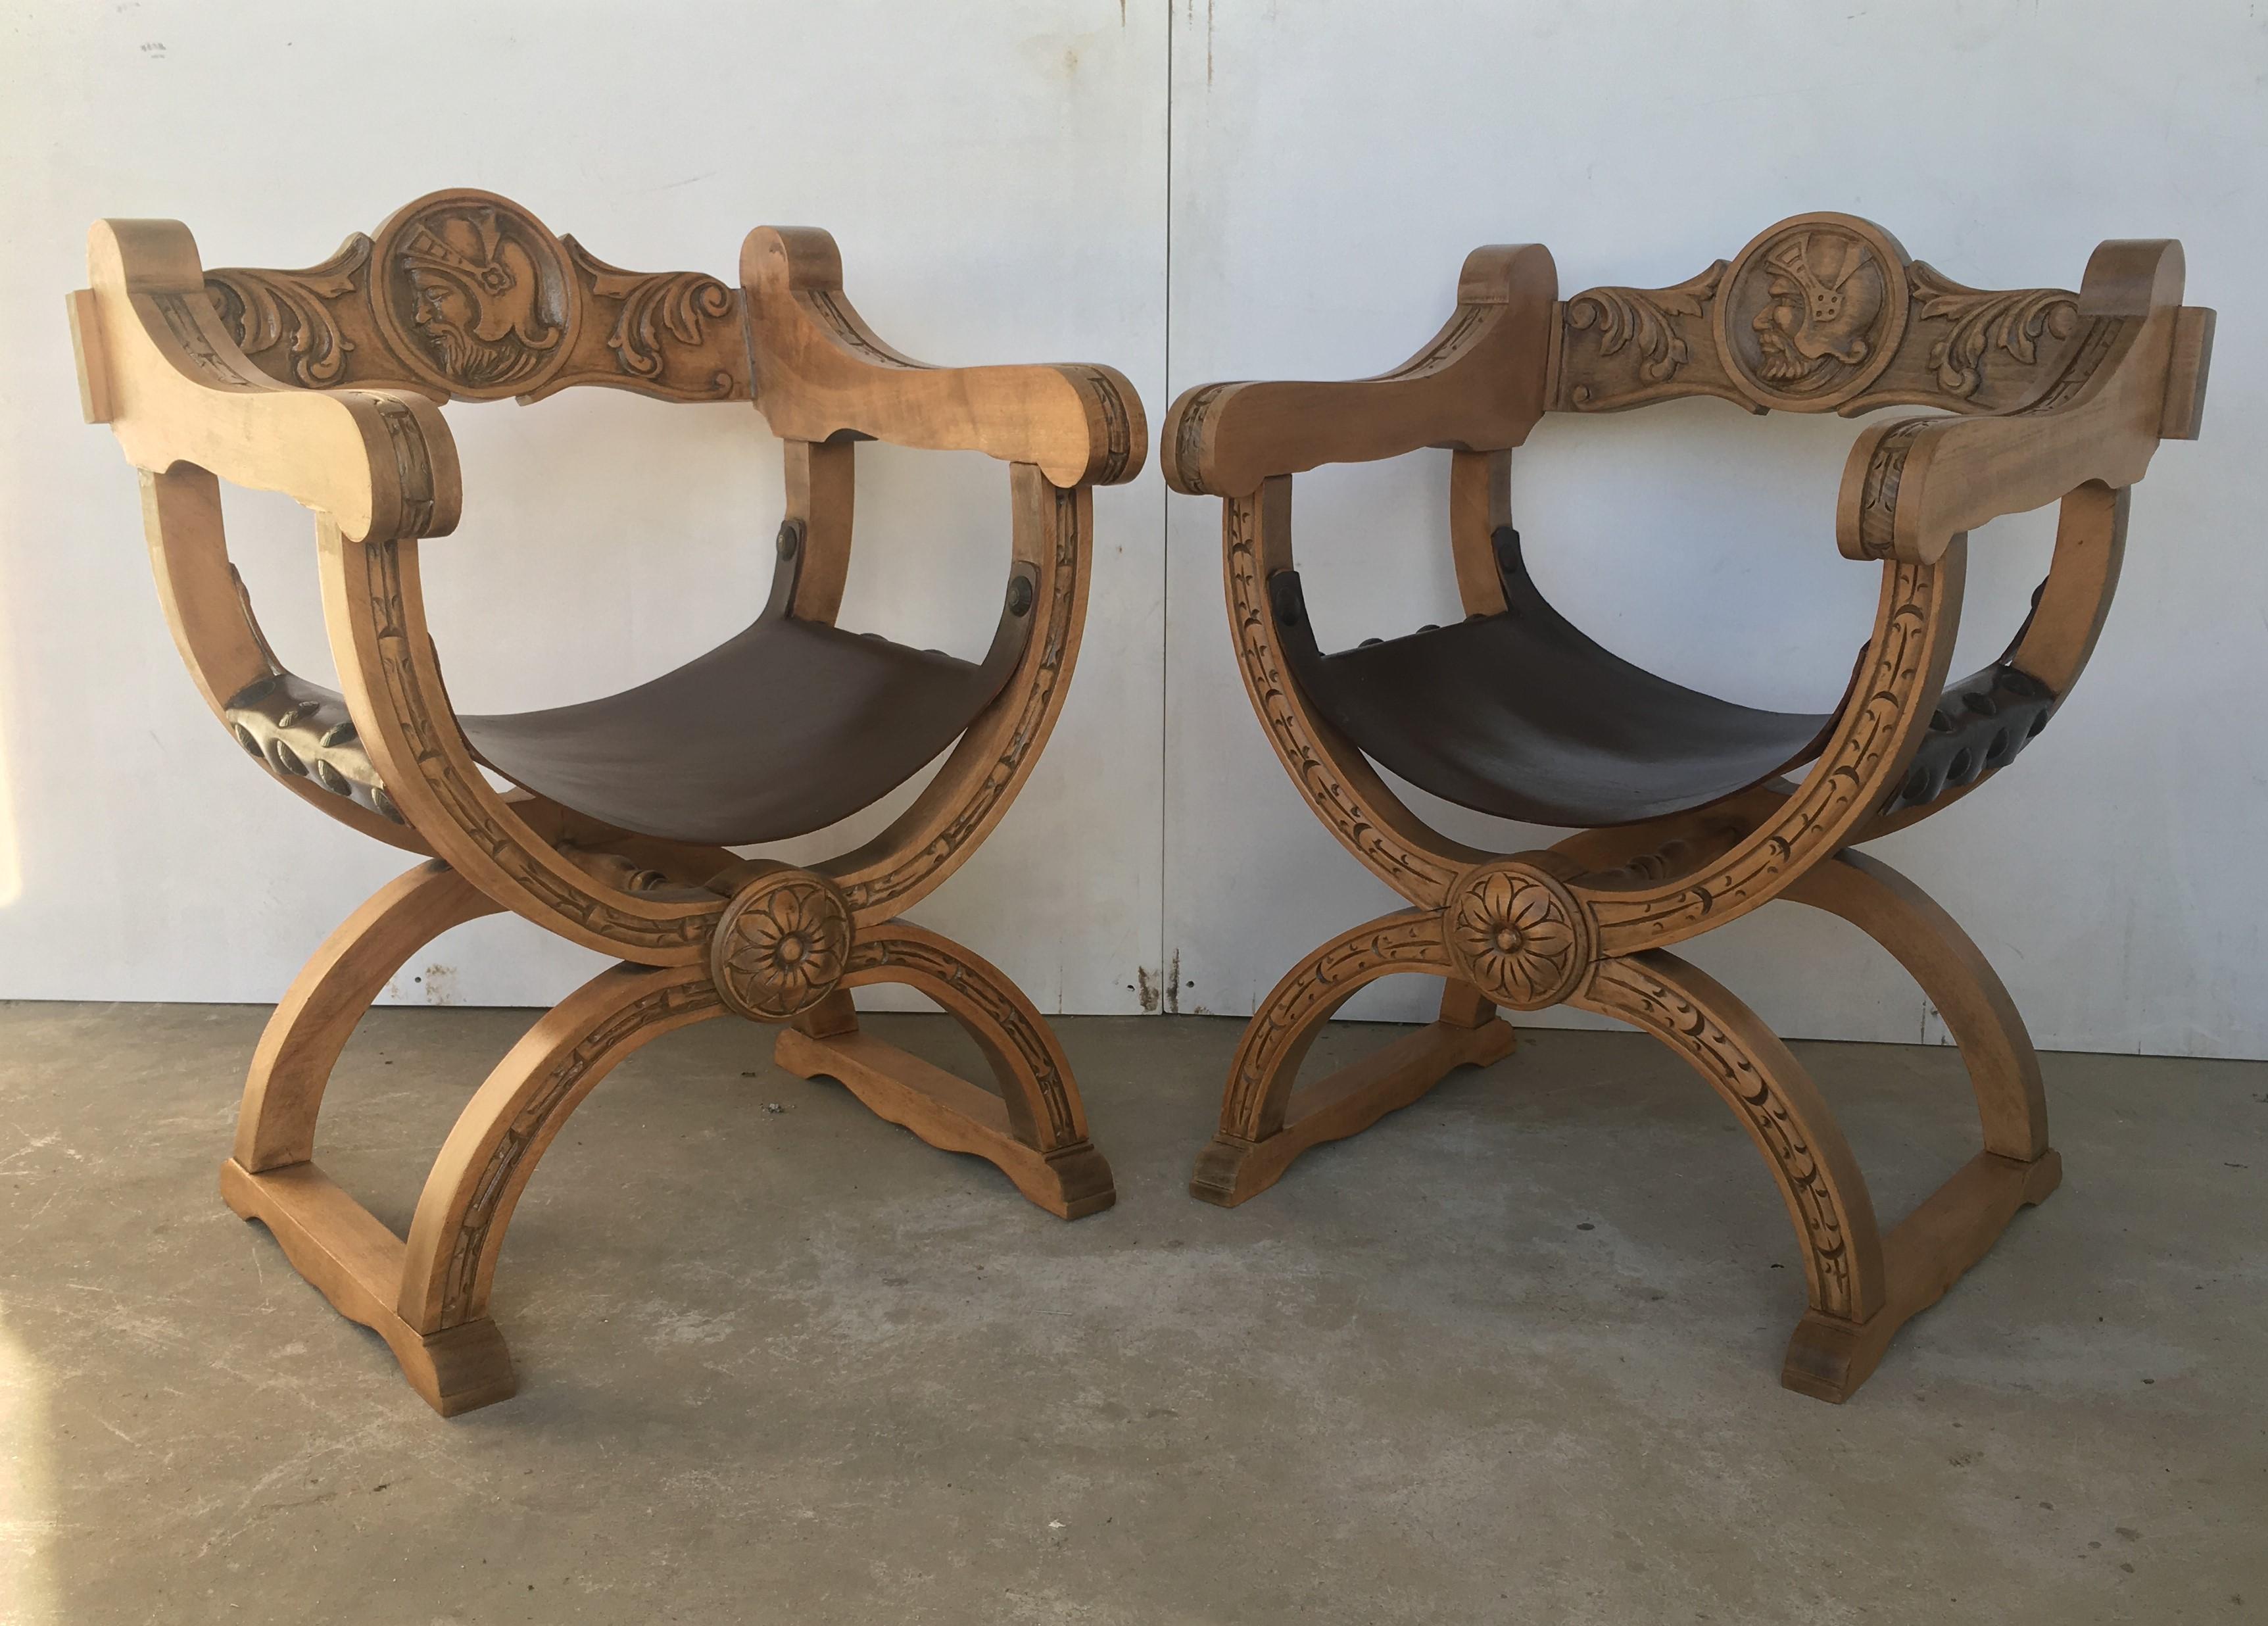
x=1647, y=319
x=466, y=295
x=288, y=312
x=2012, y=321
x=1820, y=313
x=660, y=313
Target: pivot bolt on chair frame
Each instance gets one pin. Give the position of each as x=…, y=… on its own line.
x=1685, y=818
x=323, y=384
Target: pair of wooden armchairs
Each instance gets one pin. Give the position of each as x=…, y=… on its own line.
x=618, y=834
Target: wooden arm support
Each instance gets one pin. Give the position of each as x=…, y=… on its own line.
x=1909, y=486
x=158, y=365
x=1480, y=385
x=819, y=372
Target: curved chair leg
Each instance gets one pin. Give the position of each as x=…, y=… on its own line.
x=1934, y=1245
x=1936, y=953
x=1265, y=1123
x=1034, y=1130
x=1843, y=1333
x=283, y=1093
x=428, y=1298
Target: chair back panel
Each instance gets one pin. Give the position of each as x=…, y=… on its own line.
x=463, y=295
x=1824, y=312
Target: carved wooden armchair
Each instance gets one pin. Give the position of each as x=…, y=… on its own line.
x=1686, y=816
x=325, y=384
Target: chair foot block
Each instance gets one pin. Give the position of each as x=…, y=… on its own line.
x=357, y=1263
x=1830, y=1357
x=1233, y=1169
x=1070, y=1182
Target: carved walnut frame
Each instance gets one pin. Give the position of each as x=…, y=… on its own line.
x=320, y=384
x=2044, y=396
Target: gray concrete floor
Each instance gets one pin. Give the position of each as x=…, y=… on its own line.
x=1513, y=1355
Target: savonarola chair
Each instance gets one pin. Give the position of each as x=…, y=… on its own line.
x=1685, y=816
x=323, y=384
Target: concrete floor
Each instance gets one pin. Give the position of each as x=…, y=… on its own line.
x=1513, y=1355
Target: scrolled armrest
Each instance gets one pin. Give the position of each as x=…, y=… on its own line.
x=1478, y=386
x=819, y=372
x=1911, y=486
x=158, y=365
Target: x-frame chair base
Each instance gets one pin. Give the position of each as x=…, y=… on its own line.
x=1862, y=1285
x=427, y=1294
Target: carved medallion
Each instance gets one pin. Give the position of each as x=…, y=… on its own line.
x=1518, y=935
x=1812, y=312
x=474, y=294
x=782, y=945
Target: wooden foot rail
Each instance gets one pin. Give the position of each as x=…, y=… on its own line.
x=1034, y=1130
x=427, y=1295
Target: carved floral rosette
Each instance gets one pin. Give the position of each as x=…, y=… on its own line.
x=1518, y=935
x=782, y=945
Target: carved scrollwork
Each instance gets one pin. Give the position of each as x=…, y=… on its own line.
x=1117, y=423
x=782, y=945
x=661, y=313
x=1820, y=313
x=1647, y=322
x=2013, y=322
x=465, y=294
x=288, y=314
x=1878, y=495
x=1189, y=438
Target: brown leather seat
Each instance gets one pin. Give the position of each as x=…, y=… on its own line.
x=785, y=729
x=1522, y=715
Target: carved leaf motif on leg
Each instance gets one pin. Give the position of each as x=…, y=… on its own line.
x=1270, y=688
x=997, y=1007
x=1627, y=988
x=462, y=1278
x=1410, y=940
x=1038, y=705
